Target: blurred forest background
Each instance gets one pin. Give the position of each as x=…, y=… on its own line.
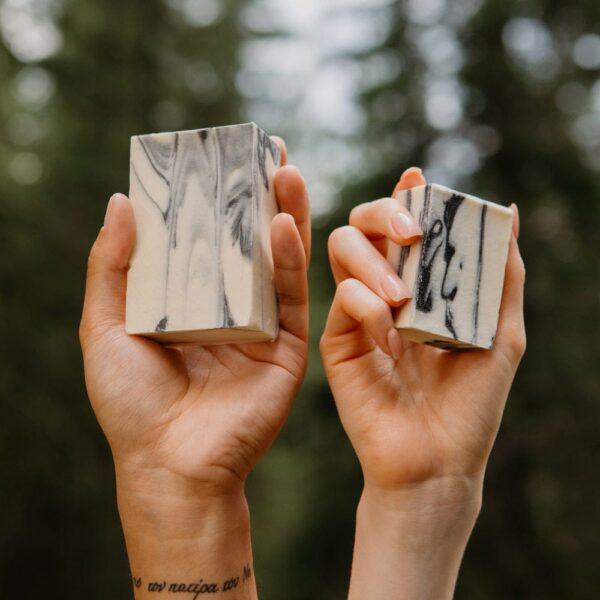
x=498, y=97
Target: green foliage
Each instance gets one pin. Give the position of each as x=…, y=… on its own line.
x=535, y=534
x=124, y=68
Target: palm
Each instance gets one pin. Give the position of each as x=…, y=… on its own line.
x=190, y=408
x=427, y=413
x=194, y=410
x=440, y=409
x=238, y=398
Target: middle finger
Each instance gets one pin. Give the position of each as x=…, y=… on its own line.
x=352, y=255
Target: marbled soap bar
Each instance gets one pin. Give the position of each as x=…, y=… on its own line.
x=202, y=270
x=456, y=271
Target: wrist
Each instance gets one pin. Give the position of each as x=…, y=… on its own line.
x=452, y=498
x=160, y=504
x=426, y=514
x=423, y=518
x=183, y=535
x=413, y=538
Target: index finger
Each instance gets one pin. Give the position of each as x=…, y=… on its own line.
x=386, y=218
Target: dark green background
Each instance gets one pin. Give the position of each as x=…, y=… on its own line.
x=121, y=70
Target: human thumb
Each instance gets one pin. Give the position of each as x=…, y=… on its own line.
x=106, y=283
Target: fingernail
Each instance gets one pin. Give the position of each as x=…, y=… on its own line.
x=414, y=170
x=517, y=227
x=405, y=225
x=393, y=340
x=394, y=288
x=110, y=211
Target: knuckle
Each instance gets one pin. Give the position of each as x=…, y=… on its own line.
x=356, y=213
x=386, y=206
x=348, y=288
x=519, y=345
x=289, y=298
x=340, y=235
x=350, y=292
x=94, y=257
x=519, y=264
x=380, y=311
x=331, y=241
x=516, y=343
x=377, y=318
x=388, y=203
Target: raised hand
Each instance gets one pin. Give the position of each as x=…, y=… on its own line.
x=186, y=424
x=422, y=420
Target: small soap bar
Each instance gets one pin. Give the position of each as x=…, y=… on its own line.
x=456, y=271
x=202, y=269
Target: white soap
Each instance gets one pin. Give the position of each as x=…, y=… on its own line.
x=202, y=269
x=456, y=271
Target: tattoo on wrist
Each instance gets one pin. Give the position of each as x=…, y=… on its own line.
x=196, y=587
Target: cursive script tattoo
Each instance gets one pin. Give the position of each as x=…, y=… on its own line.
x=195, y=588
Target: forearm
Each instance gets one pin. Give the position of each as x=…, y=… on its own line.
x=194, y=546
x=409, y=544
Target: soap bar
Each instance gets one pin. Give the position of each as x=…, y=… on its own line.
x=202, y=269
x=456, y=271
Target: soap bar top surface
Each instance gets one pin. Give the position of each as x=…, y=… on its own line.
x=456, y=271
x=203, y=202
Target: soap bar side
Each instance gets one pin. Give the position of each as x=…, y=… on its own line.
x=267, y=160
x=201, y=265
x=456, y=271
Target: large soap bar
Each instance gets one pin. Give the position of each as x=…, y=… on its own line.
x=456, y=271
x=202, y=269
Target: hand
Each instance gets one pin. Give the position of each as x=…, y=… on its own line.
x=202, y=414
x=422, y=420
x=186, y=424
